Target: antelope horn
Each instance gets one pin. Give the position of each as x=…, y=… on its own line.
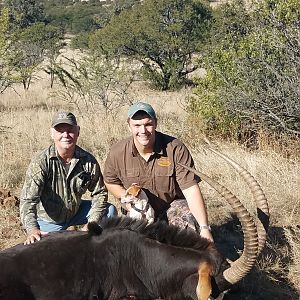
x=245, y=262
x=259, y=198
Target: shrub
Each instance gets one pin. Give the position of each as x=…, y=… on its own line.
x=253, y=70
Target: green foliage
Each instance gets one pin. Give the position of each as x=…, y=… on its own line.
x=24, y=13
x=285, y=12
x=32, y=45
x=117, y=6
x=253, y=70
x=207, y=103
x=81, y=41
x=5, y=69
x=74, y=17
x=8, y=55
x=25, y=43
x=4, y=31
x=162, y=35
x=83, y=16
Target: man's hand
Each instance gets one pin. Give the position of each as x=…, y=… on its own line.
x=34, y=235
x=84, y=227
x=205, y=233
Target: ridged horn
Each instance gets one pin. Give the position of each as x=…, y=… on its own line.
x=242, y=266
x=260, y=199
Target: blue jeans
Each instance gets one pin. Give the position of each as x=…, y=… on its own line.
x=80, y=218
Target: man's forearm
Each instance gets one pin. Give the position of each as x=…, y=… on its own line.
x=197, y=207
x=99, y=206
x=28, y=215
x=116, y=190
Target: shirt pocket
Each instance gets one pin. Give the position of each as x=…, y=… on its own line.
x=129, y=176
x=164, y=178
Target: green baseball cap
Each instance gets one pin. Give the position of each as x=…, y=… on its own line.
x=141, y=106
x=63, y=117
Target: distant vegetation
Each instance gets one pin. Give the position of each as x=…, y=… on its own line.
x=161, y=35
x=250, y=52
x=83, y=16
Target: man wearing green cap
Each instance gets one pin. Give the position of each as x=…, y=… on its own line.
x=55, y=181
x=150, y=159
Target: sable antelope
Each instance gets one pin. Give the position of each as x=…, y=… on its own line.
x=125, y=258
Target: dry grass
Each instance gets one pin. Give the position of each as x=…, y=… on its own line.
x=24, y=129
x=278, y=268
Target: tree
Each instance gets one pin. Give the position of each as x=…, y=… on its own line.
x=52, y=50
x=6, y=40
x=25, y=12
x=162, y=35
x=76, y=17
x=95, y=84
x=33, y=45
x=117, y=6
x=253, y=69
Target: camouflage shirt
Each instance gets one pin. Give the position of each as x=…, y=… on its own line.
x=53, y=194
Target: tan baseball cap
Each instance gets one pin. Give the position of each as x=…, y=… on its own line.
x=63, y=117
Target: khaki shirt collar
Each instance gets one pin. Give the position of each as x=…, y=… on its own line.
x=158, y=145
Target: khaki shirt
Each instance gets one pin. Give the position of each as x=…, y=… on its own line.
x=161, y=177
x=52, y=194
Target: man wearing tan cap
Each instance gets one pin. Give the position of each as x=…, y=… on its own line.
x=150, y=159
x=55, y=181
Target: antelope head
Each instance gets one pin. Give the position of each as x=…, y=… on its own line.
x=254, y=234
